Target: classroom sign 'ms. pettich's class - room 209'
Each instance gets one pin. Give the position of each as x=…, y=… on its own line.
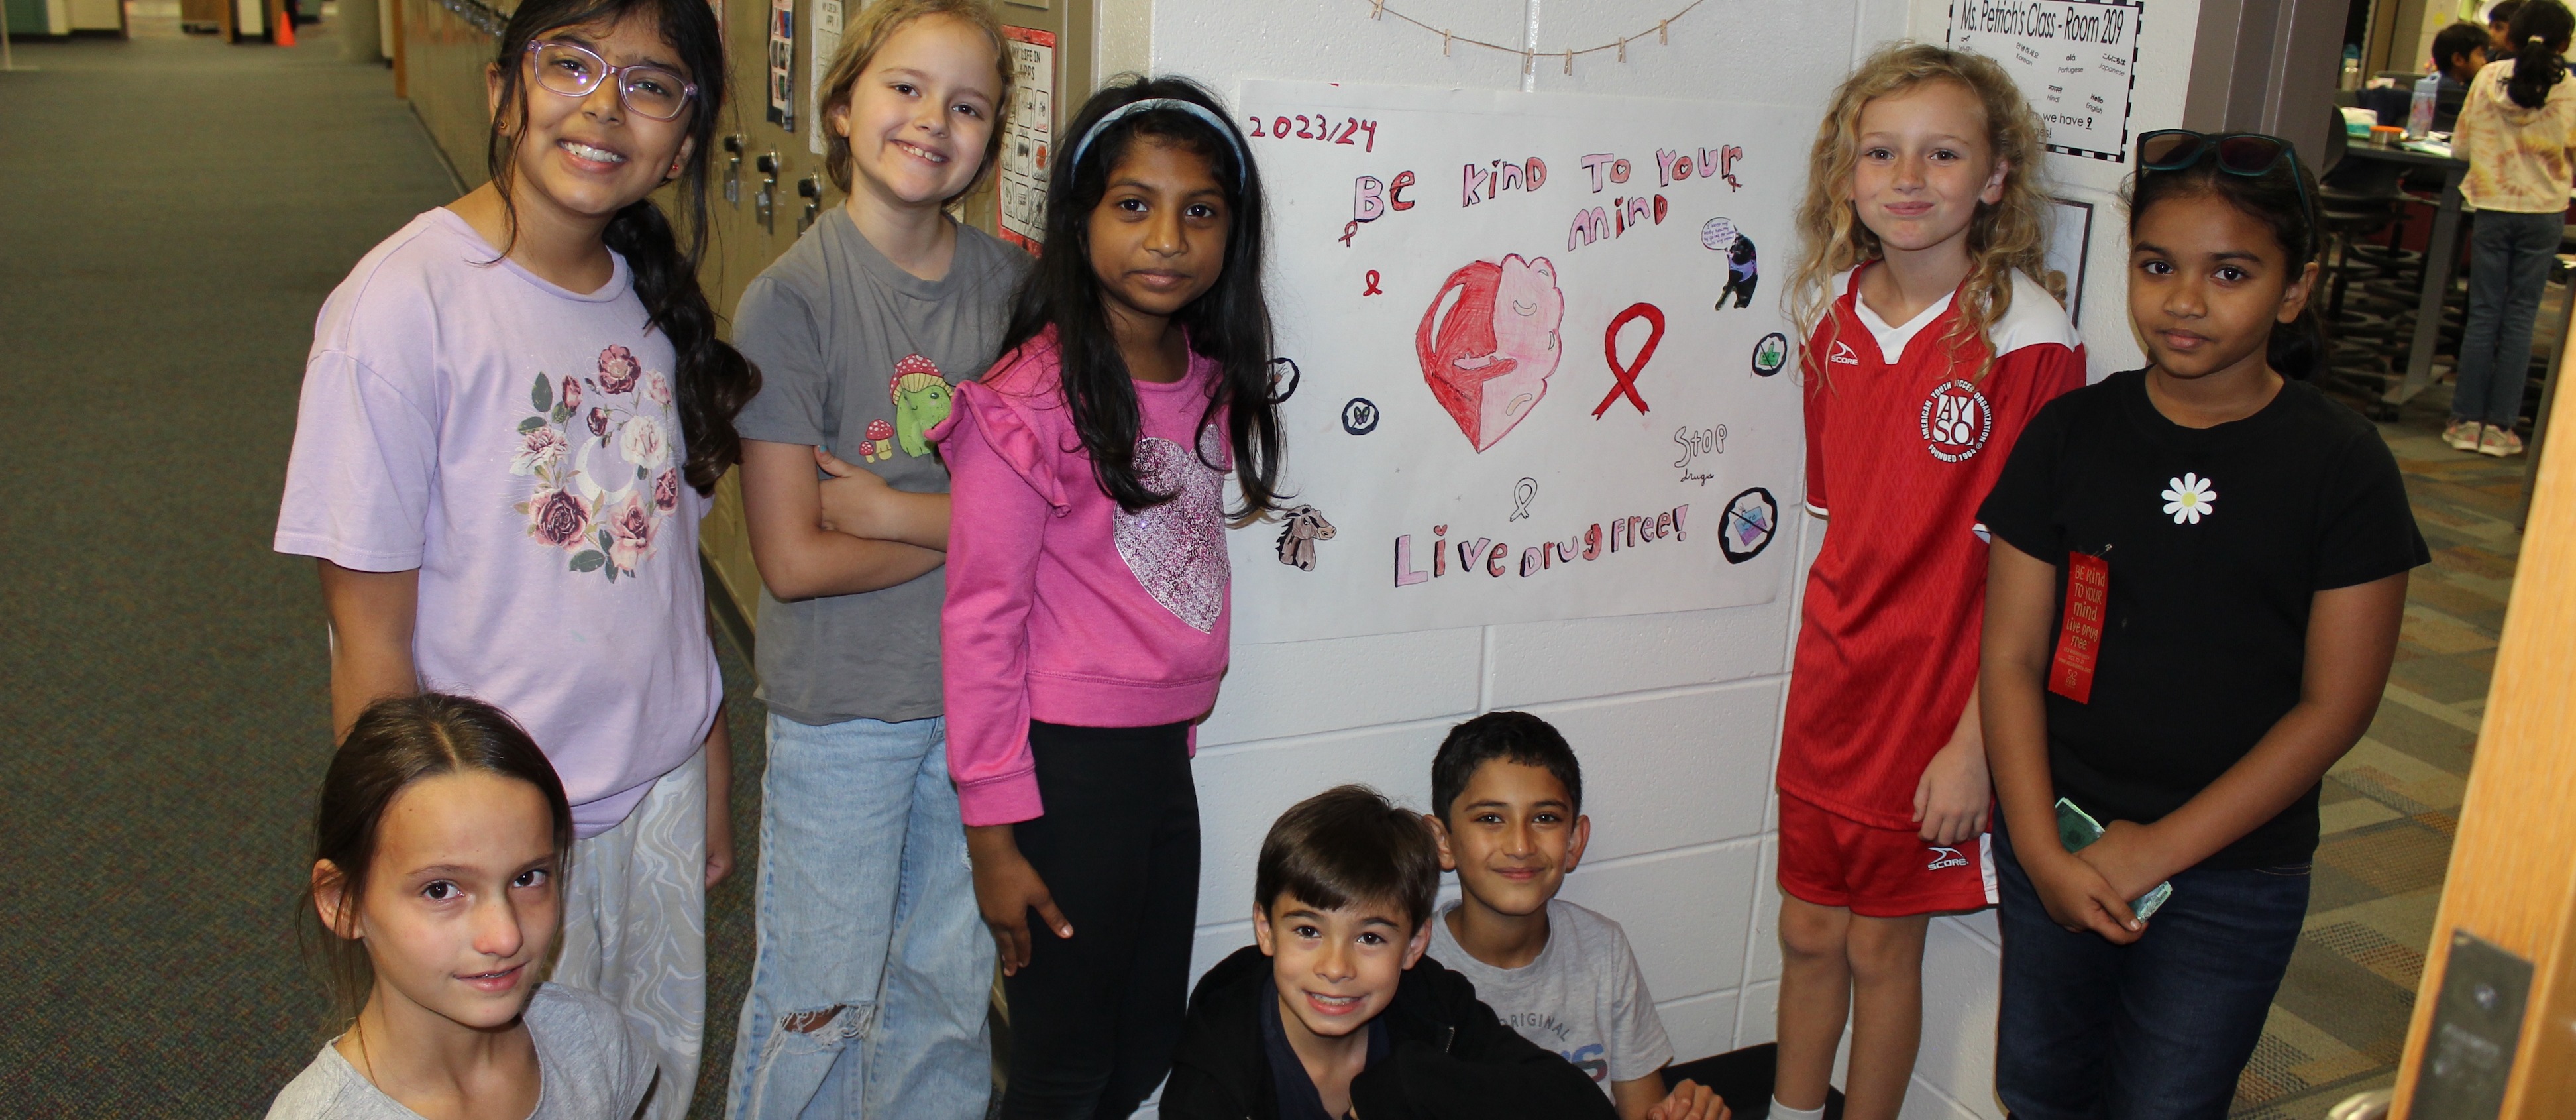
x=1533, y=358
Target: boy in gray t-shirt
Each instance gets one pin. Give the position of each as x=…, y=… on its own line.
x=1507, y=795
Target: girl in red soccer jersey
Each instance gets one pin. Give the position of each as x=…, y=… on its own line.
x=1932, y=342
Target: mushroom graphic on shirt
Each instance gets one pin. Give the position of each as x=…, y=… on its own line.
x=880, y=442
x=921, y=401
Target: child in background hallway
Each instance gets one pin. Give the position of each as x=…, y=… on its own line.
x=2515, y=130
x=2458, y=51
x=1925, y=223
x=438, y=857
x=2500, y=30
x=1335, y=1011
x=1086, y=621
x=514, y=410
x=872, y=976
x=1507, y=809
x=2255, y=539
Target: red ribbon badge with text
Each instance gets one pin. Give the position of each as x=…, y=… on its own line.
x=2079, y=636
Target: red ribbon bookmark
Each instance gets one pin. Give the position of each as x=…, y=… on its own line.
x=2079, y=636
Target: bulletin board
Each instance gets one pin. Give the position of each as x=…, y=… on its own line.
x=1533, y=363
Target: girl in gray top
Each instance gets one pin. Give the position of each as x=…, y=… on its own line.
x=437, y=849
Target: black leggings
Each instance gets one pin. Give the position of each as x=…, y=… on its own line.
x=1094, y=1018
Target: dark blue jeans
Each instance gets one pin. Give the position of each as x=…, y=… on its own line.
x=2156, y=1030
x=2509, y=259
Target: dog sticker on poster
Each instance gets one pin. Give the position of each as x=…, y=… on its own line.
x=1528, y=356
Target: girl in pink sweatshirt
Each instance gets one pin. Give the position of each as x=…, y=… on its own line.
x=1086, y=618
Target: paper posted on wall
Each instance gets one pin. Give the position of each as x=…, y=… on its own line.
x=1529, y=366
x=826, y=33
x=782, y=64
x=1030, y=131
x=2075, y=60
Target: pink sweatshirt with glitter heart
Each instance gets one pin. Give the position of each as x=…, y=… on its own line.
x=1061, y=606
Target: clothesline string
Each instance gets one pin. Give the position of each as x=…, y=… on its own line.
x=1663, y=36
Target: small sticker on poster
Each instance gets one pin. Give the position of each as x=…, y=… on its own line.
x=2075, y=60
x=1031, y=125
x=782, y=64
x=826, y=33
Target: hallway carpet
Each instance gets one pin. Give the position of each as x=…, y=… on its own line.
x=177, y=209
x=2391, y=805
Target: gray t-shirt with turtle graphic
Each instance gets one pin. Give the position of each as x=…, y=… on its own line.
x=857, y=355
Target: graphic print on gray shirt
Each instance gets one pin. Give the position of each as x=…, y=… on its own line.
x=1584, y=997
x=589, y=1064
x=857, y=355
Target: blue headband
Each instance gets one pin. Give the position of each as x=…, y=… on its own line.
x=1241, y=162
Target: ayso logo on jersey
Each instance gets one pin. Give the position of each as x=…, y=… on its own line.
x=1956, y=421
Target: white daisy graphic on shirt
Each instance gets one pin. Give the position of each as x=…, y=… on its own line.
x=2189, y=498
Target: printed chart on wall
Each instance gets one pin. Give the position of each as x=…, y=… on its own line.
x=1530, y=363
x=818, y=62
x=2076, y=60
x=1031, y=127
x=782, y=64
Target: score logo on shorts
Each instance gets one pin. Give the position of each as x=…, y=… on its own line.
x=1956, y=421
x=1945, y=857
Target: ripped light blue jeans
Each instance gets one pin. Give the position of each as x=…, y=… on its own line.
x=869, y=989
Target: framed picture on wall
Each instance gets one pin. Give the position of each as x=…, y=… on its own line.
x=2070, y=245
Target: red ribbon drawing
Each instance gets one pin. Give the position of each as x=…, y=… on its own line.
x=1373, y=289
x=1627, y=375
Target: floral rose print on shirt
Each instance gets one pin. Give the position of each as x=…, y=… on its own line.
x=604, y=479
x=617, y=370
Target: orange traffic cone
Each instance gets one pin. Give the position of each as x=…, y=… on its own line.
x=285, y=26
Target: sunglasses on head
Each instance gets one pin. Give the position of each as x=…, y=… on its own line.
x=2251, y=154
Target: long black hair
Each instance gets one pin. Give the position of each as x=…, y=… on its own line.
x=713, y=380
x=397, y=741
x=1229, y=324
x=2540, y=32
x=2281, y=200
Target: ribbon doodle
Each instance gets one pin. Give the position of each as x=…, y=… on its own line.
x=1627, y=375
x=1373, y=289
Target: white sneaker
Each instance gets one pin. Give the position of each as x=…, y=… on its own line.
x=2498, y=442
x=2462, y=435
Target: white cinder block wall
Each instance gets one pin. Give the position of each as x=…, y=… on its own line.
x=1676, y=716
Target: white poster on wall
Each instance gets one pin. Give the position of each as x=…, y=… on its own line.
x=1030, y=129
x=820, y=55
x=1530, y=362
x=2075, y=60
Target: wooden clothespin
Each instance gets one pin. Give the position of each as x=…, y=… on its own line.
x=1569, y=62
x=1444, y=44
x=1377, y=8
x=1664, y=31
x=1526, y=58
x=1623, y=50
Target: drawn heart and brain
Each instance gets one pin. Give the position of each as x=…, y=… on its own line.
x=1488, y=344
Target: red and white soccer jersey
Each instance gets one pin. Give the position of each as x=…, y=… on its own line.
x=1903, y=441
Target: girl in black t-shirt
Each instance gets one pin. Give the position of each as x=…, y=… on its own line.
x=2193, y=596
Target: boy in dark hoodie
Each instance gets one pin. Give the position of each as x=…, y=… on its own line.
x=1335, y=1012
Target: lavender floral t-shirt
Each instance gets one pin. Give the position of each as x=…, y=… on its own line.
x=519, y=444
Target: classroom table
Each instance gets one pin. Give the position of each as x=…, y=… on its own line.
x=2441, y=257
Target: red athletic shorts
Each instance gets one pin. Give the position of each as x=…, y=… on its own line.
x=1876, y=872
